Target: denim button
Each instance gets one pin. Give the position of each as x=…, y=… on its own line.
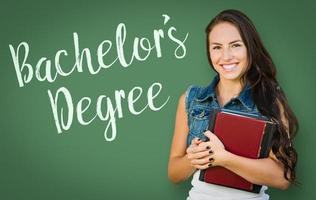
x=202, y=114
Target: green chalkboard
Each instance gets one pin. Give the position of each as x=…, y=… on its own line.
x=89, y=91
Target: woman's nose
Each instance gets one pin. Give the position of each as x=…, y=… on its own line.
x=227, y=54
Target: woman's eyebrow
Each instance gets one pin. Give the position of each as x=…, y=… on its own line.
x=235, y=41
x=217, y=43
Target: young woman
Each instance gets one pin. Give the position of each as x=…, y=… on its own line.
x=245, y=81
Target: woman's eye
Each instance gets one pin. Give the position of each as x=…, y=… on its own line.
x=236, y=45
x=216, y=47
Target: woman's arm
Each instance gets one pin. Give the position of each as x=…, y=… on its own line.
x=201, y=155
x=179, y=167
x=184, y=161
x=266, y=171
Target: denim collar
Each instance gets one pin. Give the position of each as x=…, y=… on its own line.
x=209, y=92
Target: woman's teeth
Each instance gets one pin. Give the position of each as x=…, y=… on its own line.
x=229, y=67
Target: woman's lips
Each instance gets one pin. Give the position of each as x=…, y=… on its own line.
x=229, y=67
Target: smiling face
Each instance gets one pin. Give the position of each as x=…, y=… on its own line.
x=228, y=52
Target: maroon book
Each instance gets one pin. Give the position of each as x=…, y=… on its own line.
x=242, y=134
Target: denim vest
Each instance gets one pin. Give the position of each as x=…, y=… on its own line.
x=201, y=100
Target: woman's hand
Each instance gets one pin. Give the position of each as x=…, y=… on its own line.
x=265, y=171
x=219, y=154
x=199, y=154
x=203, y=155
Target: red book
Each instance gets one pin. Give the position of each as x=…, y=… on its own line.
x=242, y=134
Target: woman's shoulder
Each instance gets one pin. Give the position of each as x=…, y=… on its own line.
x=192, y=90
x=193, y=95
x=187, y=96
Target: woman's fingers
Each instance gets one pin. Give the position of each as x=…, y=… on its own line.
x=204, y=165
x=215, y=141
x=201, y=154
x=203, y=161
x=209, y=134
x=198, y=148
x=196, y=141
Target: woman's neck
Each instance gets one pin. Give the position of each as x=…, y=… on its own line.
x=228, y=89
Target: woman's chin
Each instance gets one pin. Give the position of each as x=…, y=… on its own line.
x=230, y=76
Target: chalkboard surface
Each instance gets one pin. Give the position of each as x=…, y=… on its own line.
x=89, y=91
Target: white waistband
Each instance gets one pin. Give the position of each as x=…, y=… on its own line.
x=206, y=191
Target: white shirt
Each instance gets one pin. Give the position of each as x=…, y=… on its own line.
x=207, y=191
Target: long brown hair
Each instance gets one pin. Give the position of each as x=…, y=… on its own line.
x=265, y=90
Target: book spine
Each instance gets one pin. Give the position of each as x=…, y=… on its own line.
x=266, y=140
x=265, y=147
